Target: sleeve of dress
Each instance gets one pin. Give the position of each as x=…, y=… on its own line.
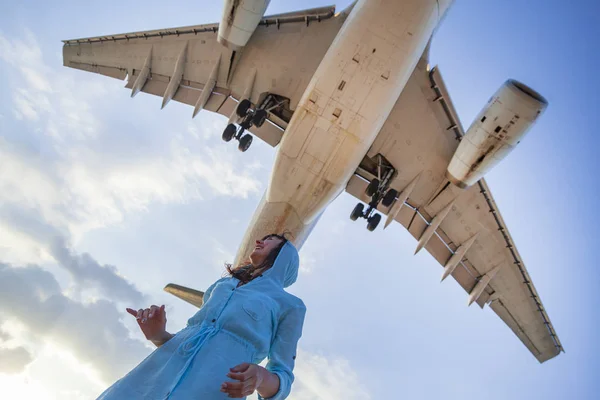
x=282, y=354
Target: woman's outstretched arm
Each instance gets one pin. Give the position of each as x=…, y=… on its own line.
x=153, y=321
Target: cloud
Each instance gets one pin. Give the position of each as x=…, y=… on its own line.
x=308, y=261
x=318, y=377
x=81, y=170
x=75, y=157
x=93, y=332
x=14, y=360
x=86, y=272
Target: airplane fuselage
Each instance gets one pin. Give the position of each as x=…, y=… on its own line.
x=341, y=112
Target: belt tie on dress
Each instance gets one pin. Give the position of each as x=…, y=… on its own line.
x=189, y=348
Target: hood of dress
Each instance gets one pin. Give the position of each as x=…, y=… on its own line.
x=285, y=269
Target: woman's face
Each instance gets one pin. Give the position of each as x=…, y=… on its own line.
x=263, y=248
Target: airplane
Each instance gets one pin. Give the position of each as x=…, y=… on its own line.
x=352, y=105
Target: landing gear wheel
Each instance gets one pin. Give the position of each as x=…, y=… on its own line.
x=245, y=142
x=372, y=188
x=373, y=222
x=229, y=132
x=259, y=118
x=242, y=108
x=357, y=212
x=389, y=197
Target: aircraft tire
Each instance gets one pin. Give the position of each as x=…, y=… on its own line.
x=245, y=142
x=373, y=222
x=372, y=188
x=357, y=212
x=242, y=108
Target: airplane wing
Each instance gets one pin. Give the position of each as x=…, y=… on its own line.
x=472, y=241
x=192, y=296
x=180, y=63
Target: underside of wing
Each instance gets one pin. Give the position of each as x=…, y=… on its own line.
x=461, y=228
x=192, y=296
x=188, y=64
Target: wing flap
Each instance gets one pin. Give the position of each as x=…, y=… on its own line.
x=113, y=72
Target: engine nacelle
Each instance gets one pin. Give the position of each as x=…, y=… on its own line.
x=496, y=131
x=239, y=21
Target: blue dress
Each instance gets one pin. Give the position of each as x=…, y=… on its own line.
x=235, y=325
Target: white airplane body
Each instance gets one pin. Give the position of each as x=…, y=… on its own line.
x=353, y=105
x=331, y=129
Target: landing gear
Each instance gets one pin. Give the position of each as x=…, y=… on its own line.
x=357, y=212
x=372, y=188
x=389, y=197
x=379, y=192
x=373, y=221
x=259, y=118
x=243, y=107
x=229, y=132
x=250, y=118
x=245, y=143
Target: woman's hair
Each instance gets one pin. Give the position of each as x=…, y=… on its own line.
x=245, y=272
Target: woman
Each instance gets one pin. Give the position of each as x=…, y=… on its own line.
x=246, y=317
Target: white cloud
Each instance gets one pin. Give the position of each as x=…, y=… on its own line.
x=14, y=360
x=89, y=274
x=24, y=105
x=21, y=387
x=308, y=261
x=23, y=51
x=322, y=378
x=86, y=272
x=66, y=169
x=71, y=171
x=93, y=332
x=36, y=79
x=81, y=171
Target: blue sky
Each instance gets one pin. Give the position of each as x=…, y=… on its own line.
x=136, y=189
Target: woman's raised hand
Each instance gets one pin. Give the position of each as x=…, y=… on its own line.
x=153, y=323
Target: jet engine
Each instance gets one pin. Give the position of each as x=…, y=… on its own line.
x=496, y=131
x=239, y=21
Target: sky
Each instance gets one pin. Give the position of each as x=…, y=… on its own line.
x=104, y=200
